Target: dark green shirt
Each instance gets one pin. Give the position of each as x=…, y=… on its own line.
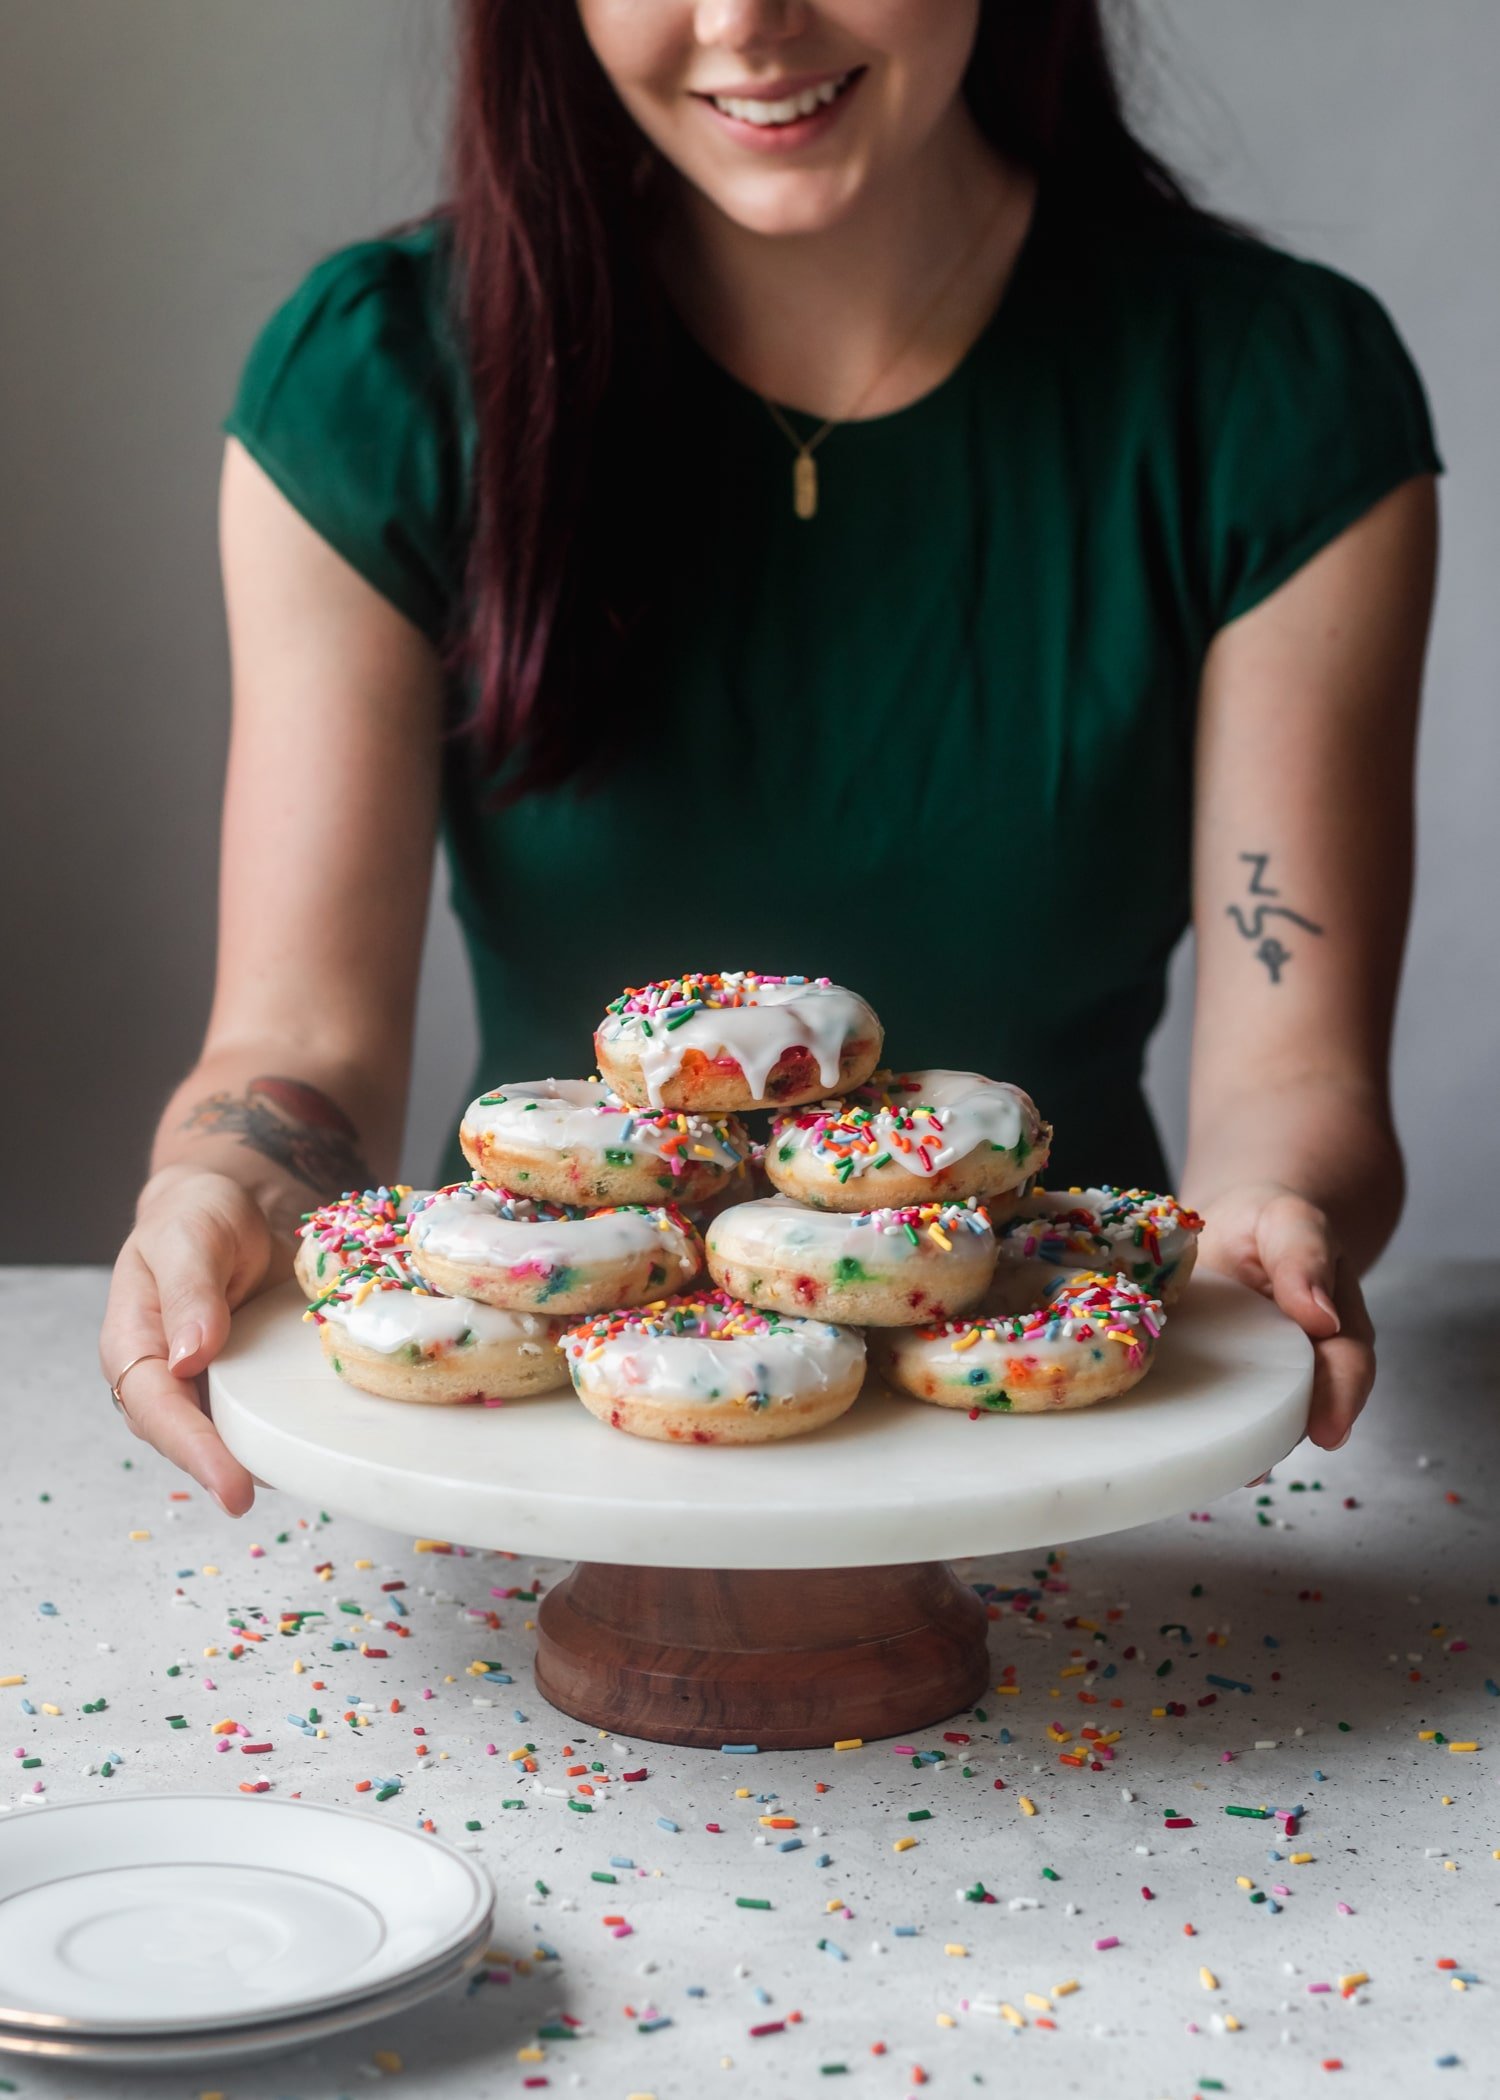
x=935, y=743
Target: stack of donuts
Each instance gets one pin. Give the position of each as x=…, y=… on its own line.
x=888, y=1214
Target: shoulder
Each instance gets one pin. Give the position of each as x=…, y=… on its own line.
x=354, y=399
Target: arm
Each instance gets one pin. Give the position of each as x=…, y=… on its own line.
x=1302, y=880
x=330, y=812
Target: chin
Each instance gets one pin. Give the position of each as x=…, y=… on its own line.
x=781, y=204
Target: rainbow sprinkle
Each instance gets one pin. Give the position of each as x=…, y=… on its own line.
x=1084, y=1306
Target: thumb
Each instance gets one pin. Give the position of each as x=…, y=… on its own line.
x=1297, y=1253
x=202, y=1266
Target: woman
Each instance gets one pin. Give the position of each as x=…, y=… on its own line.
x=821, y=500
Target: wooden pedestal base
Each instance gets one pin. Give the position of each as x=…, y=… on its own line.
x=786, y=1660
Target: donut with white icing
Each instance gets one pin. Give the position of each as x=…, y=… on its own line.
x=1151, y=1239
x=574, y=1141
x=910, y=1137
x=705, y=1369
x=386, y=1333
x=871, y=1268
x=523, y=1254
x=716, y=1043
x=1093, y=1338
x=364, y=1227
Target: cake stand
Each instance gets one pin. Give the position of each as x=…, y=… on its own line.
x=781, y=1594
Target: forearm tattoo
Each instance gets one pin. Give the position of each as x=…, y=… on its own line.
x=1252, y=922
x=294, y=1125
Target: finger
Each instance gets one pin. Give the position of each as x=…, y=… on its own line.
x=1300, y=1264
x=163, y=1409
x=1343, y=1368
x=202, y=1266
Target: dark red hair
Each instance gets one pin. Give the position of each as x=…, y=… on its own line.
x=560, y=320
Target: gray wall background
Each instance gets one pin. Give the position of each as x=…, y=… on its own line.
x=168, y=168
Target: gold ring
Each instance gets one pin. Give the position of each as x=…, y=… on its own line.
x=147, y=1356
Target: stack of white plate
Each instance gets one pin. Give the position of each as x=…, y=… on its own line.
x=197, y=1928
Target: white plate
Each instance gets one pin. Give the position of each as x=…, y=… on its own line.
x=890, y=1481
x=183, y=1913
x=239, y=2044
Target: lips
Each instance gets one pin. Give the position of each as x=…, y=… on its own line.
x=767, y=111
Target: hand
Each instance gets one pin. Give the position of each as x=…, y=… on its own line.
x=1271, y=1238
x=200, y=1247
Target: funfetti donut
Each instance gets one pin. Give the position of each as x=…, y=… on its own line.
x=363, y=1228
x=526, y=1255
x=1151, y=1239
x=717, y=1043
x=387, y=1333
x=871, y=1268
x=707, y=1370
x=1094, y=1338
x=910, y=1137
x=575, y=1141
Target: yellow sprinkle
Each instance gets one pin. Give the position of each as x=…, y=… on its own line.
x=362, y=1291
x=1299, y=1859
x=1458, y=1983
x=946, y=2020
x=742, y=1793
x=1037, y=2002
x=1243, y=1881
x=954, y=1948
x=834, y=1903
x=1113, y=1736
x=1425, y=1735
x=429, y=1545
x=1231, y=2023
x=935, y=1232
x=1008, y=2012
x=1058, y=1735
x=1073, y=1670
x=515, y=1756
x=16, y=1677
x=386, y=2060
x=324, y=1574
x=50, y=1709
x=531, y=2056
x=1450, y=1866
x=140, y=1534
x=1207, y=1978
x=298, y=1666
x=364, y=1564
x=1065, y=1990
x=1463, y=1746
x=1008, y=1691
x=903, y=1844
x=1447, y=1800
x=1053, y=1692
x=850, y=1742
x=781, y=1822
x=223, y=1728
x=1351, y=1983
x=640, y=2096
x=1028, y=1806
x=966, y=1341
x=1088, y=1625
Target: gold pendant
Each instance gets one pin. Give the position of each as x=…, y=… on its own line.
x=805, y=485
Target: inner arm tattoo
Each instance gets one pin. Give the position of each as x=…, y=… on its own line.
x=1252, y=924
x=293, y=1124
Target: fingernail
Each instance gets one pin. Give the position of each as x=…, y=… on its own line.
x=188, y=1339
x=1342, y=1440
x=1325, y=1305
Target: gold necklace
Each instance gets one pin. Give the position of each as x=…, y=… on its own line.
x=804, y=466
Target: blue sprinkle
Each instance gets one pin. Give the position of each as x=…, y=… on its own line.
x=397, y=1607
x=740, y=1749
x=762, y=1996
x=1108, y=1670
x=297, y=1720
x=183, y=1573
x=618, y=1861
x=768, y=1797
x=835, y=1953
x=1465, y=1976
x=1273, y=1855
x=824, y=1859
x=517, y=1715
x=27, y=1707
x=1269, y=1640
x=498, y=1677
x=666, y=1823
x=790, y=1845
x=696, y=1990
x=1320, y=1775
x=1272, y=1905
x=654, y=2026
x=904, y=1932
x=550, y=1952
x=1445, y=2063
x=342, y=1644
x=1227, y=1684
x=48, y=1611
x=1005, y=1735
x=1492, y=1688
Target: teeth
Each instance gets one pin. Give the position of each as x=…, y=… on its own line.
x=784, y=112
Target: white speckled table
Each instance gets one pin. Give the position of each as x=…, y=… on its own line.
x=1290, y=1647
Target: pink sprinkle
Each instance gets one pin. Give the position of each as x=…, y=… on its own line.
x=426, y=1694
x=903, y=1750
x=1457, y=1647
x=37, y=1787
x=1279, y=1888
x=257, y=1552
x=222, y=1743
x=1343, y=1910
x=1226, y=1757
x=209, y=1685
x=1149, y=1894
x=621, y=1932
x=1316, y=1988
x=490, y=1750
x=1103, y=1946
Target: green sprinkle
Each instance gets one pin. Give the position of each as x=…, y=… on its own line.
x=176, y=1720
x=29, y=1764
x=752, y=1903
x=686, y=1015
x=596, y=1876
x=831, y=2070
x=385, y=1793
x=583, y=1808
x=1049, y=1875
x=557, y=2033
x=351, y=1607
x=107, y=1769
x=980, y=1714
x=1345, y=1726
x=541, y=1888
x=1163, y=1668
x=174, y=1669
x=513, y=1804
x=472, y=1824
x=919, y=1815
x=1259, y=1815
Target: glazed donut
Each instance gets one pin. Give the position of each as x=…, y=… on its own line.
x=525, y=1255
x=1127, y=1232
x=1093, y=1338
x=707, y=1370
x=869, y=1268
x=386, y=1333
x=363, y=1229
x=910, y=1137
x=573, y=1141
x=719, y=1043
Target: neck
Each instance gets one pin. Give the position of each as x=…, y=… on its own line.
x=818, y=320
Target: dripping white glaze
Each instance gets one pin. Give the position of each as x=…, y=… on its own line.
x=387, y=1321
x=582, y=1115
x=818, y=1018
x=970, y=1109
x=466, y=1225
x=775, y=1229
x=796, y=1359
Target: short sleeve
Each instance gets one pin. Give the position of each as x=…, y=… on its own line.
x=1325, y=414
x=350, y=402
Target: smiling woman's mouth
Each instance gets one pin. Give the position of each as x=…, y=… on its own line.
x=788, y=109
